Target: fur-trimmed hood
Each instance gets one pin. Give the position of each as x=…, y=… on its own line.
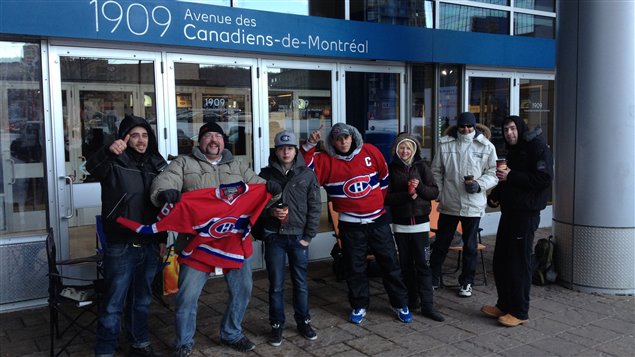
x=357, y=141
x=480, y=129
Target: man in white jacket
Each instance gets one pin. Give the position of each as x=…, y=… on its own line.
x=464, y=168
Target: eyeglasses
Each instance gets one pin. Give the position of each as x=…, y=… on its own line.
x=466, y=126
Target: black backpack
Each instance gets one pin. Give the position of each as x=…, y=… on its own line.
x=544, y=270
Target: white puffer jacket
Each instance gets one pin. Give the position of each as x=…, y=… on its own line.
x=455, y=159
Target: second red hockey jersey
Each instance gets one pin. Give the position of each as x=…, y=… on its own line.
x=220, y=218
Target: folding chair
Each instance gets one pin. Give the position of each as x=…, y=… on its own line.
x=457, y=242
x=65, y=297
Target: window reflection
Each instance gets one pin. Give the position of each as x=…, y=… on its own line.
x=448, y=97
x=542, y=5
x=536, y=105
x=23, y=189
x=297, y=7
x=534, y=26
x=214, y=93
x=489, y=101
x=421, y=124
x=475, y=19
x=372, y=106
x=408, y=13
x=300, y=100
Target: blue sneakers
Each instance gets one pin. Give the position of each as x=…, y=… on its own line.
x=357, y=316
x=404, y=315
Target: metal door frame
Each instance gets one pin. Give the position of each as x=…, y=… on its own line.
x=62, y=201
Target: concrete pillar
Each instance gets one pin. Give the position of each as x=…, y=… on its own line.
x=594, y=186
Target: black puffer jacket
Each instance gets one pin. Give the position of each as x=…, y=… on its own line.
x=125, y=185
x=403, y=208
x=301, y=192
x=531, y=171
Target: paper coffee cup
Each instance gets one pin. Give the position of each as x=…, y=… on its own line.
x=501, y=164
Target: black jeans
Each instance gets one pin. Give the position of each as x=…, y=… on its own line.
x=413, y=248
x=512, y=262
x=447, y=226
x=356, y=239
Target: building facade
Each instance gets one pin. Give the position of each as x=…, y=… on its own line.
x=70, y=71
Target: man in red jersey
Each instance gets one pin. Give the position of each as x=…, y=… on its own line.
x=355, y=177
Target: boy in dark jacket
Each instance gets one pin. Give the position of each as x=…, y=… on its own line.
x=522, y=192
x=125, y=170
x=289, y=227
x=410, y=190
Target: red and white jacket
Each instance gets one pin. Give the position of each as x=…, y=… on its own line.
x=220, y=218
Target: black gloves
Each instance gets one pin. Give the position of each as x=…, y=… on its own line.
x=273, y=187
x=169, y=196
x=472, y=186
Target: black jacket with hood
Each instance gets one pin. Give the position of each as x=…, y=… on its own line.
x=531, y=172
x=300, y=190
x=403, y=209
x=125, y=185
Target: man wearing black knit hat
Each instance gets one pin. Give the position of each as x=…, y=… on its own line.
x=209, y=165
x=464, y=168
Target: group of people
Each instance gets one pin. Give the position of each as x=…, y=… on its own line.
x=136, y=181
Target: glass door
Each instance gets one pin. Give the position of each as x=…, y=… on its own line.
x=299, y=97
x=373, y=103
x=536, y=95
x=212, y=89
x=492, y=96
x=92, y=91
x=489, y=98
x=22, y=194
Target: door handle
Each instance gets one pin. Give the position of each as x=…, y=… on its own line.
x=72, y=203
x=12, y=162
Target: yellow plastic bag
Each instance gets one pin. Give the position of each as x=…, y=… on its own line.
x=171, y=273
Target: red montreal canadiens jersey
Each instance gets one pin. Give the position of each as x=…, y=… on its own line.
x=356, y=187
x=220, y=218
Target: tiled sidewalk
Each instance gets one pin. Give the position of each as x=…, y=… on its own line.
x=562, y=323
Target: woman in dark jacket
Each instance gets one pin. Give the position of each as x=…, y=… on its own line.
x=409, y=193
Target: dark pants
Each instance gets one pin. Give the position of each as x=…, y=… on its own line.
x=413, y=249
x=356, y=239
x=512, y=262
x=446, y=229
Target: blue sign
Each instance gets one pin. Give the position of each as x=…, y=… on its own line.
x=192, y=24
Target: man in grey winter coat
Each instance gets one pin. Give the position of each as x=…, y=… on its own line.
x=209, y=165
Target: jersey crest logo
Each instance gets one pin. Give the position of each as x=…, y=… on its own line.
x=222, y=227
x=357, y=187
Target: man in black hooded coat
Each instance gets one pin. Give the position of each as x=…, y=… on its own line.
x=125, y=170
x=522, y=192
